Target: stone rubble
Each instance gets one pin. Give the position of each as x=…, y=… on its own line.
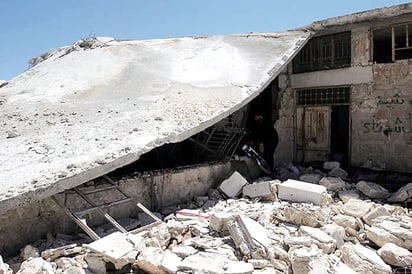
x=333, y=226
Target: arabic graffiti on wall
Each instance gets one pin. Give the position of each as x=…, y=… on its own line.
x=396, y=100
x=400, y=125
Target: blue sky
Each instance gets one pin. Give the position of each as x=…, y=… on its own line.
x=32, y=27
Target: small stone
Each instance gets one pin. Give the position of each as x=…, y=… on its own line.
x=331, y=165
x=346, y=195
x=11, y=134
x=36, y=266
x=29, y=252
x=338, y=172
x=310, y=178
x=403, y=194
x=95, y=263
x=372, y=190
x=332, y=183
x=346, y=221
x=375, y=213
x=170, y=262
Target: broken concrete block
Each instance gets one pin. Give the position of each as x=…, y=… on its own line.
x=298, y=191
x=346, y=221
x=116, y=244
x=326, y=243
x=299, y=217
x=95, y=263
x=184, y=250
x=338, y=172
x=259, y=263
x=67, y=250
x=364, y=260
x=249, y=236
x=395, y=255
x=298, y=241
x=232, y=186
x=150, y=260
x=375, y=213
x=381, y=237
x=339, y=267
x=310, y=178
x=372, y=190
x=336, y=232
x=391, y=229
x=332, y=183
x=239, y=268
x=356, y=208
x=403, y=194
x=204, y=242
x=219, y=220
x=306, y=260
x=36, y=266
x=204, y=262
x=346, y=195
x=266, y=190
x=170, y=262
x=29, y=252
x=331, y=165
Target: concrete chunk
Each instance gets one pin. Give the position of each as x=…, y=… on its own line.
x=332, y=183
x=232, y=186
x=170, y=262
x=372, y=190
x=356, y=208
x=266, y=190
x=239, y=268
x=403, y=194
x=364, y=260
x=219, y=220
x=298, y=191
x=375, y=213
x=395, y=255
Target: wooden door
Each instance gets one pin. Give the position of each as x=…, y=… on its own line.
x=313, y=133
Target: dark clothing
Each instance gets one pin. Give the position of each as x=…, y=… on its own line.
x=262, y=131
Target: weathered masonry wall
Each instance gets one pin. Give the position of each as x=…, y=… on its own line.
x=381, y=106
x=27, y=224
x=382, y=118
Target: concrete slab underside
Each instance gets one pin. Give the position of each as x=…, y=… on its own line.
x=83, y=113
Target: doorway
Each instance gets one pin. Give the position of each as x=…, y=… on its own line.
x=339, y=135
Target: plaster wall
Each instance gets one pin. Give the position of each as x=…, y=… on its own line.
x=155, y=190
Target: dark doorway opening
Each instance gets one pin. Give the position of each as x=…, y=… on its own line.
x=339, y=144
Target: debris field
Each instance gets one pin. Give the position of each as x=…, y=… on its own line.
x=311, y=221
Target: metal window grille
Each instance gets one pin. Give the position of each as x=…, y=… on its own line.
x=323, y=96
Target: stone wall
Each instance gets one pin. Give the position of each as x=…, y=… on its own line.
x=382, y=118
x=27, y=224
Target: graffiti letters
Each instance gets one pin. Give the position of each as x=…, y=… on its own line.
x=400, y=125
x=391, y=102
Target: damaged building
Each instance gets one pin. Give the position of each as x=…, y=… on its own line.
x=100, y=134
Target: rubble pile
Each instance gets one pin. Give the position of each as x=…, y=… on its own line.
x=330, y=225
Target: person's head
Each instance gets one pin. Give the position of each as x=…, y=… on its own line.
x=258, y=117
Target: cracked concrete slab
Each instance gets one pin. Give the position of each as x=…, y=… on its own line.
x=90, y=108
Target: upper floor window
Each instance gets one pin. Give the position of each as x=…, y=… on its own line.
x=324, y=52
x=393, y=43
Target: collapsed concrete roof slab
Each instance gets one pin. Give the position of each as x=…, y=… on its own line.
x=378, y=14
x=84, y=110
